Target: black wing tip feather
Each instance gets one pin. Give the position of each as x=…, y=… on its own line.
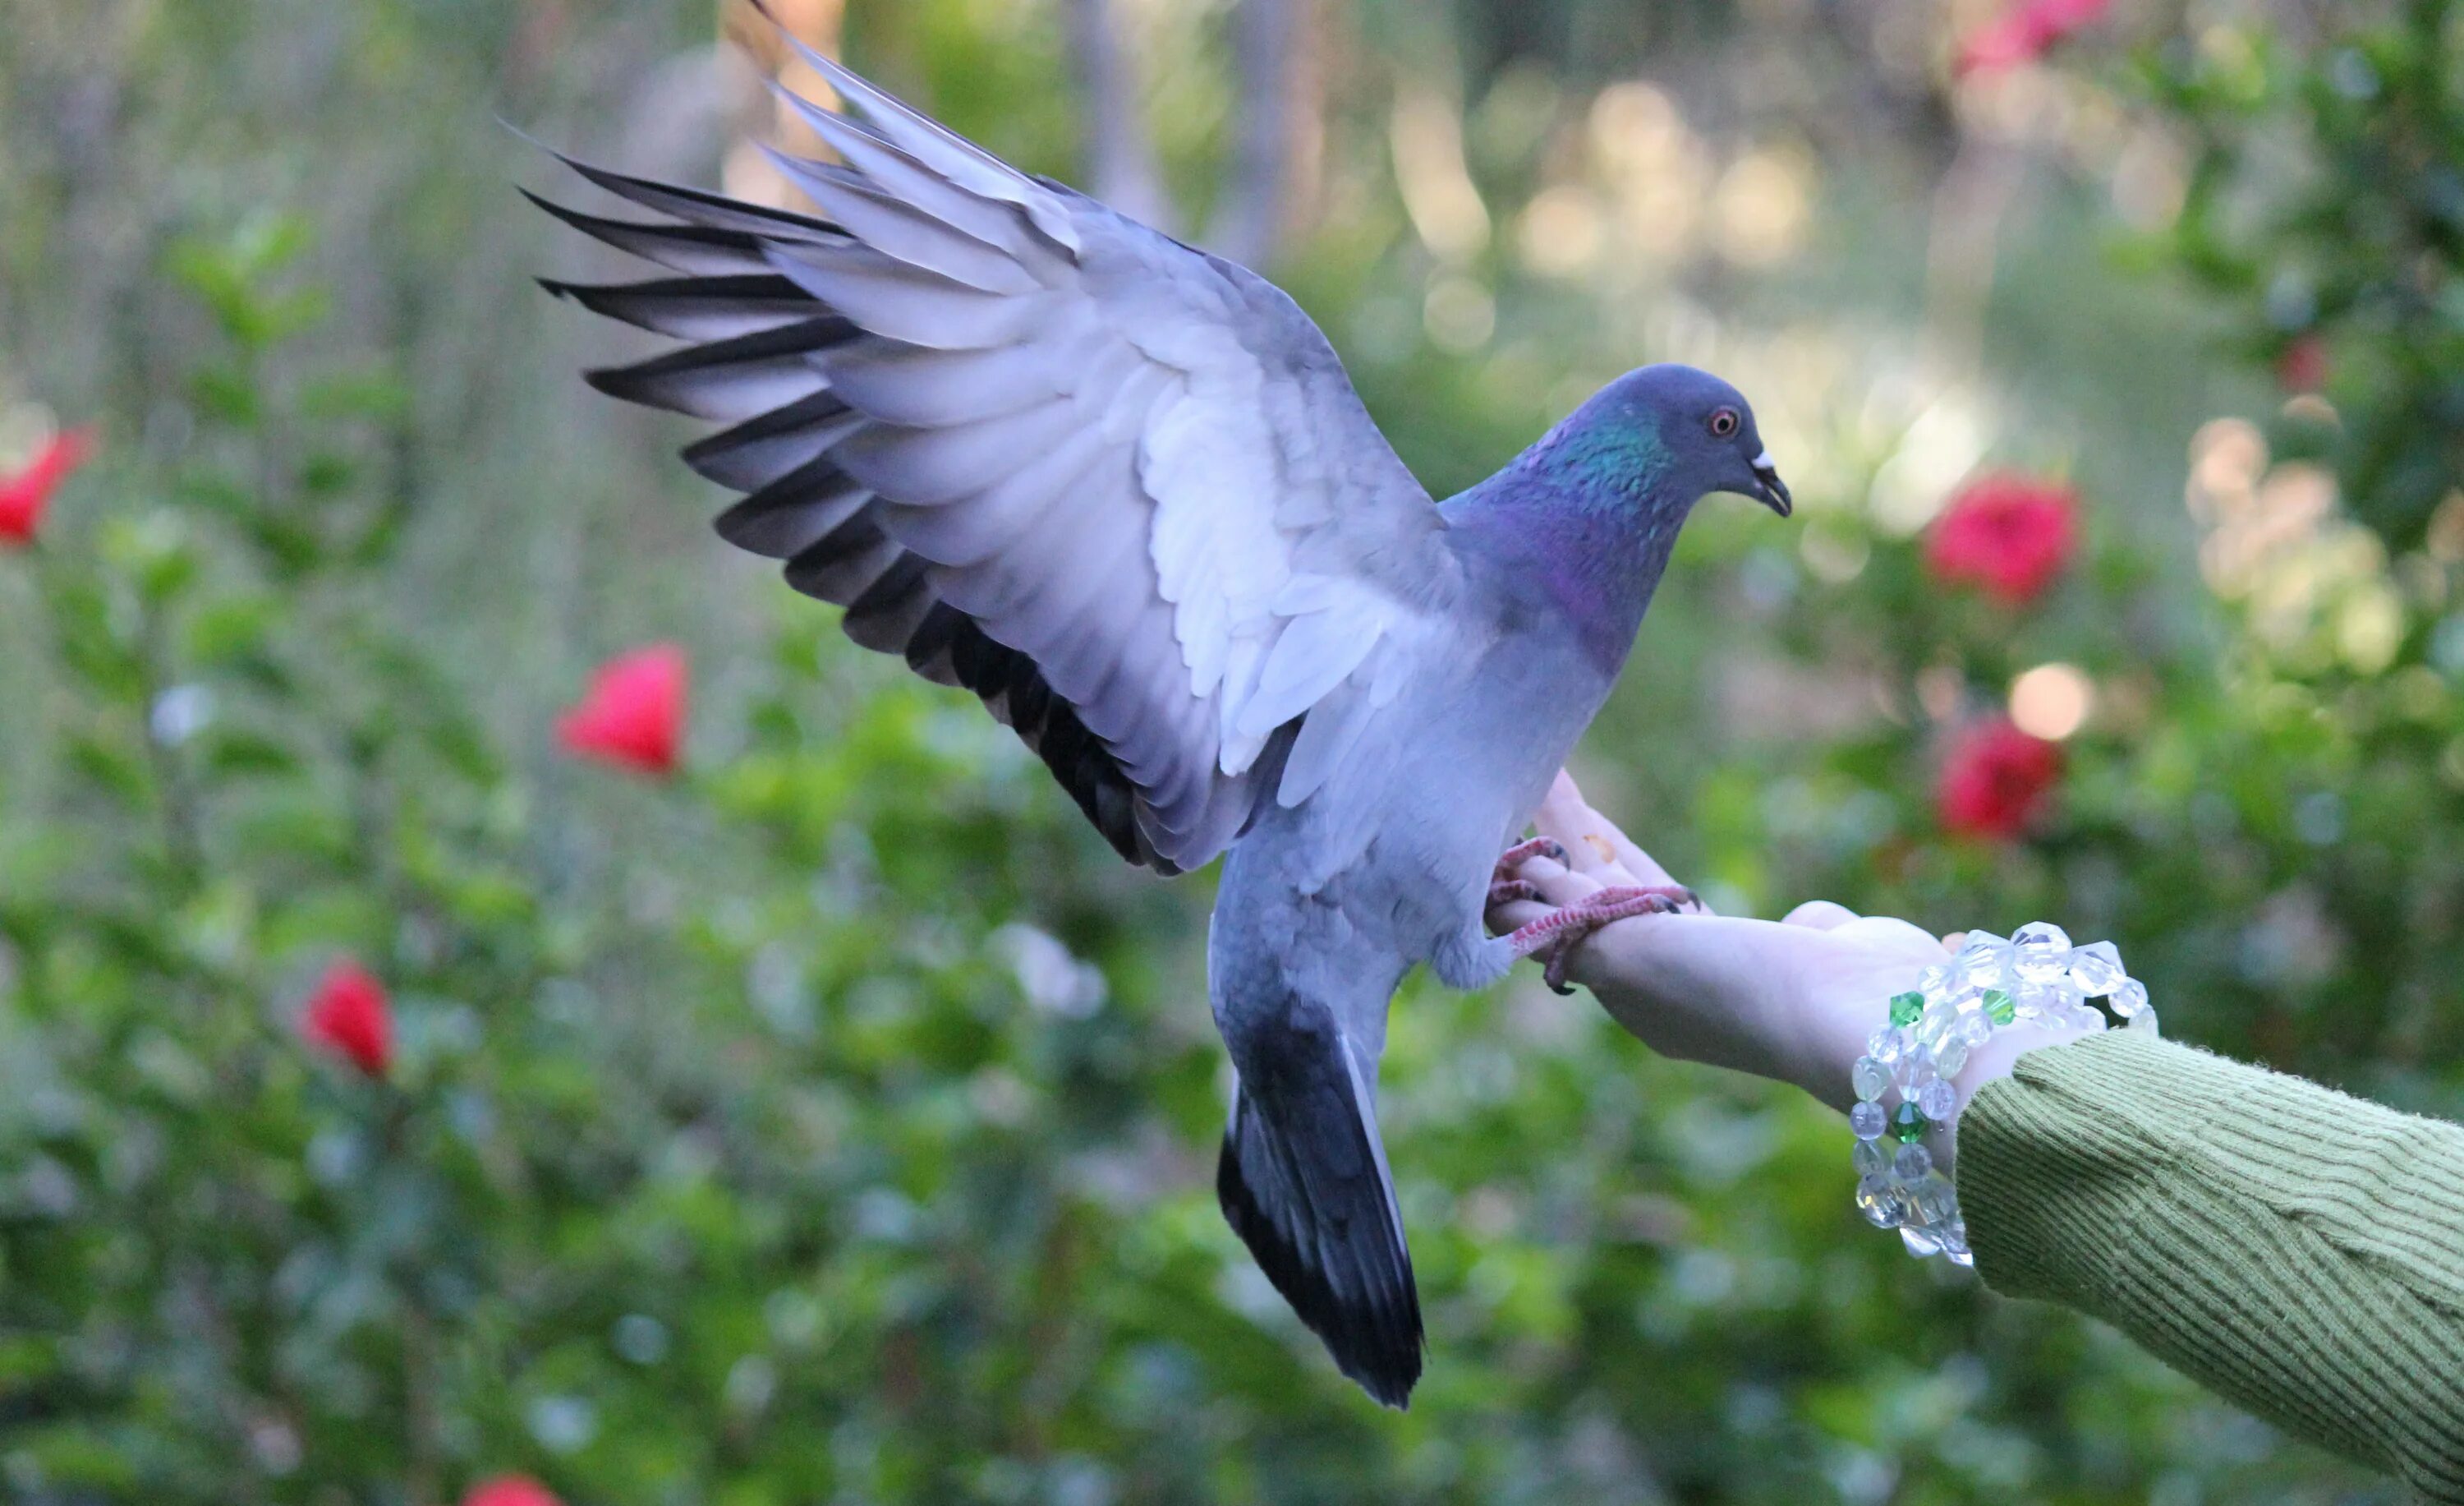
x=1081, y=761
x=700, y=230
x=1378, y=1344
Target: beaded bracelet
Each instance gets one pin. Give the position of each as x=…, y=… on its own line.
x=2035, y=978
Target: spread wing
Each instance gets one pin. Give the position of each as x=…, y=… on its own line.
x=1120, y=489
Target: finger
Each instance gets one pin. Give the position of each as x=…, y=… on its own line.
x=1564, y=815
x=1515, y=914
x=1819, y=915
x=1558, y=884
x=1633, y=859
x=1593, y=840
x=1891, y=932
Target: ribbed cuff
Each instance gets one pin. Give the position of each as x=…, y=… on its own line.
x=2298, y=1251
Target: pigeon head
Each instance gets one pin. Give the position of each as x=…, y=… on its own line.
x=1664, y=437
x=1593, y=508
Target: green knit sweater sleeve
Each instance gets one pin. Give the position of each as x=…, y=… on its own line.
x=2296, y=1250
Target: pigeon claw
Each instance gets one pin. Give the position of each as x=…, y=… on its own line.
x=1560, y=931
x=1522, y=853
x=1506, y=891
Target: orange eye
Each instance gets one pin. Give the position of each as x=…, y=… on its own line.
x=1724, y=422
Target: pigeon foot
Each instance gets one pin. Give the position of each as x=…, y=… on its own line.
x=1522, y=853
x=1506, y=891
x=1560, y=931
x=1504, y=883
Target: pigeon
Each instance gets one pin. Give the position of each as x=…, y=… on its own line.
x=1122, y=491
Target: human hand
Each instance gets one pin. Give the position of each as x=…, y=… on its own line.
x=1793, y=1000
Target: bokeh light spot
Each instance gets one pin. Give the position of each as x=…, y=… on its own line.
x=2051, y=701
x=1459, y=314
x=1559, y=236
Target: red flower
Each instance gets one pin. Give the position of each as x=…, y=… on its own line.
x=634, y=714
x=349, y=1016
x=2023, y=34
x=2301, y=366
x=2006, y=533
x=25, y=496
x=511, y=1490
x=1995, y=780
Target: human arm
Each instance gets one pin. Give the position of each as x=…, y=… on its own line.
x=1793, y=1000
x=2296, y=1250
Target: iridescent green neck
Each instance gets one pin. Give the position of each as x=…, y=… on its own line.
x=1600, y=459
x=1589, y=515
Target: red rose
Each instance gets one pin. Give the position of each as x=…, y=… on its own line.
x=1996, y=780
x=349, y=1016
x=511, y=1490
x=2301, y=366
x=634, y=714
x=2005, y=533
x=26, y=496
x=2024, y=32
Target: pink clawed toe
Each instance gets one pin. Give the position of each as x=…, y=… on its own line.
x=1560, y=931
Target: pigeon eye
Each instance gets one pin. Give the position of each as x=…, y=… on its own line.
x=1724, y=422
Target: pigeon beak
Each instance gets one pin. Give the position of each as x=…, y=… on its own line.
x=1774, y=491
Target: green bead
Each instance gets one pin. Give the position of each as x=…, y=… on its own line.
x=1905, y=1007
x=1907, y=1123
x=1998, y=1005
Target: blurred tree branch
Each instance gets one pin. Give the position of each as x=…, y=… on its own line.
x=1275, y=127
x=1276, y=133
x=1116, y=148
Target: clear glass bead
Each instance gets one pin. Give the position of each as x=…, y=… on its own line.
x=1934, y=982
x=1916, y=1068
x=1869, y=1077
x=2040, y=965
x=1982, y=963
x=1875, y=1202
x=1919, y=1243
x=1975, y=1029
x=1950, y=1057
x=2129, y=997
x=1871, y=1159
x=1934, y=1201
x=2060, y=994
x=1867, y=1119
x=2096, y=969
x=1954, y=1244
x=1888, y=1045
x=1888, y=1205
x=1911, y=1163
x=1938, y=1100
x=2143, y=1022
x=2041, y=937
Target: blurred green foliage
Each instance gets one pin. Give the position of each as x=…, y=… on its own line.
x=837, y=1122
x=2327, y=201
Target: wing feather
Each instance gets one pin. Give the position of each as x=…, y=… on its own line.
x=767, y=446
x=692, y=249
x=1117, y=488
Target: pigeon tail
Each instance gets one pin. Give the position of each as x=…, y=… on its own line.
x=1302, y=1182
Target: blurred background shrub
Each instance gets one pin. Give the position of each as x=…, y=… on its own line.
x=418, y=1067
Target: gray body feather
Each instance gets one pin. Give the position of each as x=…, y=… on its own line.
x=1124, y=492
